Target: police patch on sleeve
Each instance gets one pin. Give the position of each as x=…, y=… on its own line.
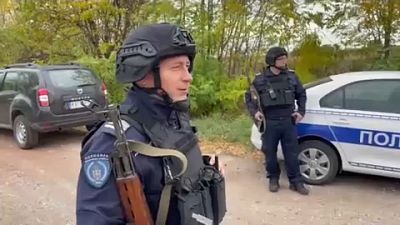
x=97, y=169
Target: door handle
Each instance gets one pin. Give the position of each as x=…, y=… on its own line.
x=341, y=121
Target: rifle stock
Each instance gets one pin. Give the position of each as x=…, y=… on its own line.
x=134, y=201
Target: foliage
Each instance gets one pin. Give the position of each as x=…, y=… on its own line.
x=360, y=23
x=232, y=37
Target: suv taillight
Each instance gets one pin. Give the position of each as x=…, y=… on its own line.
x=104, y=89
x=43, y=95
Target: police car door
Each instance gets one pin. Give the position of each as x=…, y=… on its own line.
x=366, y=123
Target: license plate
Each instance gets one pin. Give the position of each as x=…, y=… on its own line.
x=77, y=104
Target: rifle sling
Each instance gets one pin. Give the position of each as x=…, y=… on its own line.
x=255, y=95
x=152, y=151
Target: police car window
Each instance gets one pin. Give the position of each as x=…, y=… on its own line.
x=374, y=95
x=334, y=99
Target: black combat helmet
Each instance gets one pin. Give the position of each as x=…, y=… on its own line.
x=274, y=53
x=144, y=47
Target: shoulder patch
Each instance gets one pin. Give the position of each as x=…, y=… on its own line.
x=97, y=169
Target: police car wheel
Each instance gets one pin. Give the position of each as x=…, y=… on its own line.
x=24, y=135
x=318, y=162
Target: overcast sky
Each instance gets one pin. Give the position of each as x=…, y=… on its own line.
x=326, y=35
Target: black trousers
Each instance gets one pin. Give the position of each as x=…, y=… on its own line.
x=284, y=130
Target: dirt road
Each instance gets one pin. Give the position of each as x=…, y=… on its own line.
x=38, y=187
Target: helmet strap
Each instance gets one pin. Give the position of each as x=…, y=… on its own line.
x=157, y=77
x=181, y=106
x=281, y=68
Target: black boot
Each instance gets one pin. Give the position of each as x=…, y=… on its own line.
x=299, y=187
x=273, y=185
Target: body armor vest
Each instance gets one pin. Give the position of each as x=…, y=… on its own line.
x=277, y=91
x=200, y=191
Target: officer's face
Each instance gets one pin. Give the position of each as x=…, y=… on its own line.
x=281, y=61
x=175, y=77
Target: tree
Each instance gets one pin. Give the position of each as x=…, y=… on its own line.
x=6, y=12
x=362, y=22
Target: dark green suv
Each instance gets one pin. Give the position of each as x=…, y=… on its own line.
x=35, y=99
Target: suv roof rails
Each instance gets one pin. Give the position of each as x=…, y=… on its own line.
x=22, y=65
x=66, y=64
x=35, y=66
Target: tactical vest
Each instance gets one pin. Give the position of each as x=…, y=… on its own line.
x=277, y=91
x=201, y=189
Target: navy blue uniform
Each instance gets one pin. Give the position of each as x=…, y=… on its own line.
x=98, y=201
x=280, y=126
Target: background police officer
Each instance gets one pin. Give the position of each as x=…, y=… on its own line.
x=278, y=90
x=157, y=59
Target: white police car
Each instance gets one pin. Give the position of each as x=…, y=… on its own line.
x=352, y=123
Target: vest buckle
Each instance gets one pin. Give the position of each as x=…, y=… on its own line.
x=169, y=178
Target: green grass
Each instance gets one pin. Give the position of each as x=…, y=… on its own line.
x=235, y=129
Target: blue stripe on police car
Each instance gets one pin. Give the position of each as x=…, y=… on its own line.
x=351, y=135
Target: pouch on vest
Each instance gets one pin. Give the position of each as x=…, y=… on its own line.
x=217, y=191
x=216, y=180
x=192, y=207
x=289, y=97
x=289, y=91
x=276, y=99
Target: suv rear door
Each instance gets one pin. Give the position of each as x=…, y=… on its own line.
x=2, y=100
x=68, y=87
x=7, y=93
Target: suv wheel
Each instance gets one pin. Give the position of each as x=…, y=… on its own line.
x=25, y=136
x=319, y=162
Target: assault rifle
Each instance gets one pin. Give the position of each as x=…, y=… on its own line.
x=129, y=185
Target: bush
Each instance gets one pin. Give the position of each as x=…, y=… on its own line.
x=213, y=91
x=235, y=129
x=231, y=95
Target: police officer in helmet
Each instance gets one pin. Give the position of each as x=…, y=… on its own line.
x=277, y=90
x=157, y=59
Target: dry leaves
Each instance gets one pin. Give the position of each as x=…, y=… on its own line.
x=229, y=148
